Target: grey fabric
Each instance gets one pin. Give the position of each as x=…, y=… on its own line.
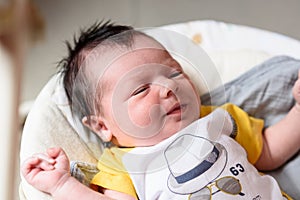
x=265, y=92
x=83, y=171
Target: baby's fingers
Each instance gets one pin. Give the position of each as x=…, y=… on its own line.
x=45, y=158
x=39, y=161
x=296, y=89
x=28, y=165
x=55, y=152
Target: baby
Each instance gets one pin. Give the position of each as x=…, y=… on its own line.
x=128, y=89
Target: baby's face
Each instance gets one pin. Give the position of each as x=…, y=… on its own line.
x=147, y=97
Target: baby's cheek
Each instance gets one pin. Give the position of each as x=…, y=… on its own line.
x=138, y=115
x=143, y=115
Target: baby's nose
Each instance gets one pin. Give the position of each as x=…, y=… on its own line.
x=168, y=88
x=166, y=92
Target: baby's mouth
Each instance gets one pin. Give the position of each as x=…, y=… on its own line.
x=176, y=109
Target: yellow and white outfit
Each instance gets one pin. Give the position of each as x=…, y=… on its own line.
x=201, y=161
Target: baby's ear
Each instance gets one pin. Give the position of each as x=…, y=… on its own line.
x=96, y=125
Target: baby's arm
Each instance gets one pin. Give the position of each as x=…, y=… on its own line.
x=117, y=195
x=49, y=173
x=282, y=140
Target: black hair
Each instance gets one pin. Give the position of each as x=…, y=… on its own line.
x=78, y=94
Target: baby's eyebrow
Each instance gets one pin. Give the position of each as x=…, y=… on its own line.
x=135, y=77
x=137, y=73
x=173, y=62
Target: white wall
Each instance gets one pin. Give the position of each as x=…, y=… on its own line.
x=65, y=17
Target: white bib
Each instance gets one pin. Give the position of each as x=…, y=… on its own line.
x=200, y=162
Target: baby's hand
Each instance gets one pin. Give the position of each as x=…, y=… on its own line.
x=296, y=91
x=48, y=171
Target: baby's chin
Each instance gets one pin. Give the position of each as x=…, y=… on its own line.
x=144, y=142
x=167, y=130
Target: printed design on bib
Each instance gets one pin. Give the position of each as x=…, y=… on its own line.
x=227, y=184
x=195, y=164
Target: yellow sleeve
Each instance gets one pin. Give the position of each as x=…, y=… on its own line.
x=249, y=129
x=112, y=174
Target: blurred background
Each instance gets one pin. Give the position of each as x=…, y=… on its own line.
x=63, y=18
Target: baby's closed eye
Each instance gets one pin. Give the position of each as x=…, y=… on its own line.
x=140, y=90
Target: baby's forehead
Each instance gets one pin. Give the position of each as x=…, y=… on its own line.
x=105, y=55
x=144, y=59
x=109, y=51
x=145, y=41
x=112, y=55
